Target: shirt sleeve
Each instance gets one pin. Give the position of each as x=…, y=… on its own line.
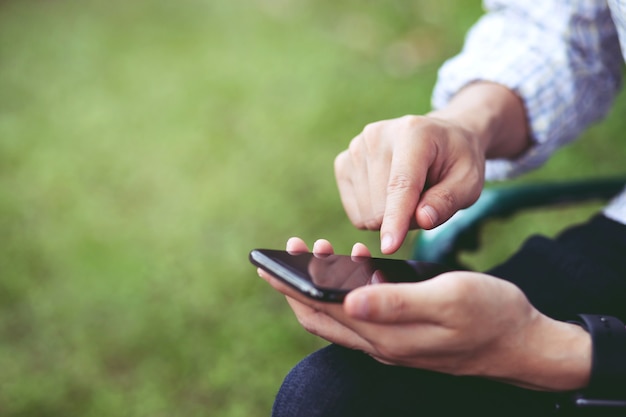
x=562, y=58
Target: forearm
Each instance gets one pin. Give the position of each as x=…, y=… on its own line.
x=494, y=114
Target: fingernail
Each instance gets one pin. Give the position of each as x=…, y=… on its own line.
x=386, y=242
x=431, y=214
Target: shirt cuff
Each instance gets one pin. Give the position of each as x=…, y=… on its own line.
x=534, y=62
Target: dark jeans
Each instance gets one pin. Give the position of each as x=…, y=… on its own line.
x=581, y=271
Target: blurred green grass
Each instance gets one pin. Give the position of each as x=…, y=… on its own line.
x=147, y=146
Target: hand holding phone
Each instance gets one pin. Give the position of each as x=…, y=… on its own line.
x=462, y=322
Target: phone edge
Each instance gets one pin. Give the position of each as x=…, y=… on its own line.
x=259, y=259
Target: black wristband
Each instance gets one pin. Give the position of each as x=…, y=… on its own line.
x=608, y=366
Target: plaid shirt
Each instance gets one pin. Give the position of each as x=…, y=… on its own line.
x=563, y=58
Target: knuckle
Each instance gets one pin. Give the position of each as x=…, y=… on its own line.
x=371, y=130
x=394, y=305
x=416, y=123
x=355, y=217
x=373, y=223
x=446, y=197
x=308, y=324
x=477, y=173
x=387, y=350
x=399, y=183
x=354, y=148
x=340, y=163
x=393, y=350
x=412, y=120
x=456, y=286
x=475, y=176
x=372, y=138
x=359, y=224
x=457, y=292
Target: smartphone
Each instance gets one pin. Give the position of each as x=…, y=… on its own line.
x=330, y=277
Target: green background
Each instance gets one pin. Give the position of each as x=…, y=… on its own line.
x=147, y=146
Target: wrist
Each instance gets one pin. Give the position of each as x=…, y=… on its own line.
x=565, y=353
x=493, y=114
x=549, y=355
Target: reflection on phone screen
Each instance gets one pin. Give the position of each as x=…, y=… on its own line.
x=343, y=272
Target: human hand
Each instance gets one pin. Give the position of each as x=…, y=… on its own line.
x=414, y=171
x=461, y=323
x=417, y=171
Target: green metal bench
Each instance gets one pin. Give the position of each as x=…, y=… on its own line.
x=461, y=233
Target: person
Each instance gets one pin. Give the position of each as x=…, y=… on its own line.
x=510, y=341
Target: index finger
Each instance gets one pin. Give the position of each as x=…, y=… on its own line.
x=407, y=178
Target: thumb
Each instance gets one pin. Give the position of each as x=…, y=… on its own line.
x=441, y=201
x=388, y=303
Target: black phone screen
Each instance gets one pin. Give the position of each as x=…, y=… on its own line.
x=331, y=277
